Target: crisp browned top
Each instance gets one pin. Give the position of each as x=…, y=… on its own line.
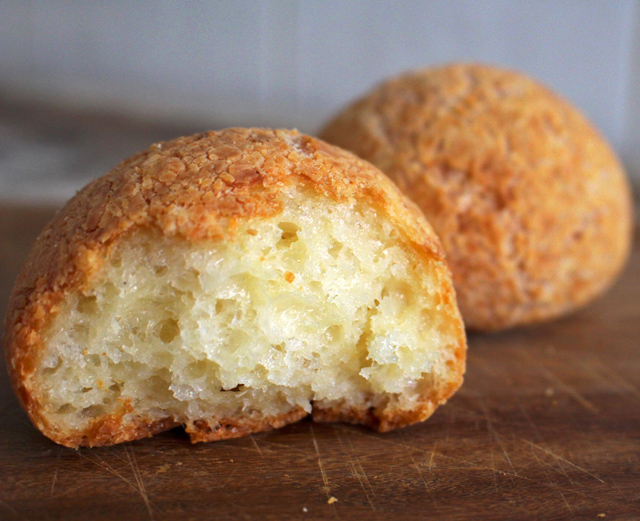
x=531, y=205
x=196, y=187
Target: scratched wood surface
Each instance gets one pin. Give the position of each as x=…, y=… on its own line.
x=547, y=426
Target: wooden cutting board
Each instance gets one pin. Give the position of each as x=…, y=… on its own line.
x=547, y=426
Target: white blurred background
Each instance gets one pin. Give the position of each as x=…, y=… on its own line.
x=204, y=65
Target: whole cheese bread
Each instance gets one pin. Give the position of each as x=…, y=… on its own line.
x=531, y=204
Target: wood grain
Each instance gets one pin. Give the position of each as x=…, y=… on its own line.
x=547, y=426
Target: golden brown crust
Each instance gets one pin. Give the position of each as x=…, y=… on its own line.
x=112, y=429
x=227, y=428
x=381, y=417
x=373, y=417
x=531, y=205
x=198, y=188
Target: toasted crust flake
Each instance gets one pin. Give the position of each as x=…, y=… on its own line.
x=198, y=188
x=531, y=205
